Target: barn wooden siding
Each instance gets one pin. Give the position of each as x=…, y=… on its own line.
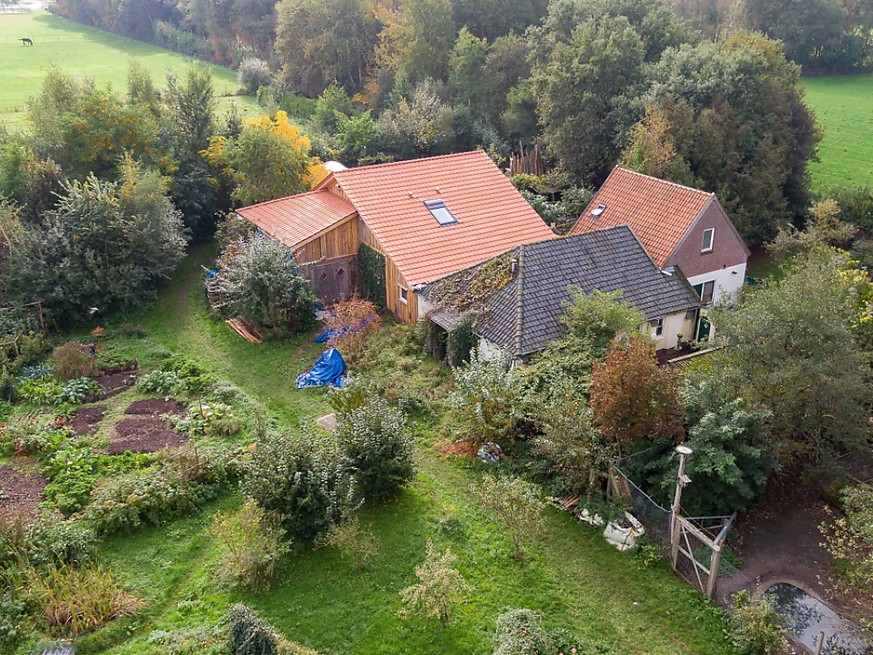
x=339, y=241
x=407, y=312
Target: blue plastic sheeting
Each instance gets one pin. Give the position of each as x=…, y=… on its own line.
x=329, y=368
x=327, y=334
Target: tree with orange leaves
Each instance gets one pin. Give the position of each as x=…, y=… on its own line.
x=633, y=398
x=268, y=159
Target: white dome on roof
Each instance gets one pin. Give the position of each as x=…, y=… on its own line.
x=334, y=166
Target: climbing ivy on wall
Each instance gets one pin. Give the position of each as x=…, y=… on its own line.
x=461, y=341
x=372, y=275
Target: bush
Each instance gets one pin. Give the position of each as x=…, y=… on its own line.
x=262, y=284
x=352, y=539
x=73, y=601
x=25, y=436
x=355, y=393
x=249, y=635
x=520, y=632
x=756, y=628
x=253, y=544
x=440, y=586
x=71, y=360
x=350, y=322
x=253, y=73
x=13, y=619
x=151, y=497
x=515, y=503
x=377, y=448
x=8, y=388
x=849, y=538
x=461, y=341
x=58, y=543
x=196, y=378
x=486, y=403
x=163, y=383
x=303, y=480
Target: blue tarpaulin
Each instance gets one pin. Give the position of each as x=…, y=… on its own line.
x=329, y=368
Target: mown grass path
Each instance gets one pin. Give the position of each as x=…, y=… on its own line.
x=570, y=574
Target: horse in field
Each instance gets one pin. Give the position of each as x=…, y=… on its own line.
x=26, y=41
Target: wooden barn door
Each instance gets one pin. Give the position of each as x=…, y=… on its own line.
x=333, y=279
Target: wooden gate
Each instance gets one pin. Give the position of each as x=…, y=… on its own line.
x=333, y=279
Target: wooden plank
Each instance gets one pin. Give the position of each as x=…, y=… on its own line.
x=244, y=330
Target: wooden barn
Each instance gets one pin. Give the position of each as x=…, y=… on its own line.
x=386, y=230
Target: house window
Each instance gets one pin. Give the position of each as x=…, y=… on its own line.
x=707, y=289
x=440, y=212
x=404, y=294
x=708, y=238
x=658, y=324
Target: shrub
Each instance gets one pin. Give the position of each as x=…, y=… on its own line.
x=13, y=619
x=36, y=371
x=249, y=635
x=163, y=383
x=76, y=391
x=520, y=632
x=849, y=538
x=25, y=436
x=151, y=497
x=253, y=544
x=377, y=448
x=191, y=641
x=303, y=480
x=756, y=628
x=350, y=322
x=461, y=341
x=440, y=586
x=262, y=284
x=58, y=543
x=355, y=393
x=515, y=503
x=352, y=539
x=486, y=403
x=8, y=388
x=253, y=73
x=196, y=378
x=71, y=360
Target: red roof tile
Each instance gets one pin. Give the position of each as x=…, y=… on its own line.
x=659, y=212
x=294, y=219
x=492, y=216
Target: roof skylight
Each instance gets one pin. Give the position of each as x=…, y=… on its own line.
x=597, y=211
x=440, y=212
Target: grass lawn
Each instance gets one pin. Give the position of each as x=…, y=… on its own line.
x=87, y=52
x=571, y=575
x=842, y=107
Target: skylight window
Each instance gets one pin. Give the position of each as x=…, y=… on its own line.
x=597, y=211
x=440, y=212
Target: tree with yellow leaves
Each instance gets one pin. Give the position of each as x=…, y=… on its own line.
x=268, y=159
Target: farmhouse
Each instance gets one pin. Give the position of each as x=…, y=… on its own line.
x=677, y=225
x=412, y=222
x=518, y=298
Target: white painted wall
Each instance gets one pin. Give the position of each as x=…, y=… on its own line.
x=674, y=324
x=728, y=281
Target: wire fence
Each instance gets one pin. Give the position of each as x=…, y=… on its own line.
x=655, y=519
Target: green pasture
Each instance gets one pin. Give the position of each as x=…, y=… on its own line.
x=843, y=106
x=85, y=52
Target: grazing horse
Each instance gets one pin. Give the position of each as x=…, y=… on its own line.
x=26, y=41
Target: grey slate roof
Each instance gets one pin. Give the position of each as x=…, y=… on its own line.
x=524, y=315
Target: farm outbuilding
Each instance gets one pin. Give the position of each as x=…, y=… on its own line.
x=386, y=230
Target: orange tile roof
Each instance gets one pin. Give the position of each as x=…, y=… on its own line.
x=294, y=219
x=659, y=212
x=492, y=216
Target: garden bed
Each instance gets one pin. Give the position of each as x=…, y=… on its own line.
x=21, y=494
x=86, y=420
x=144, y=434
x=115, y=381
x=155, y=407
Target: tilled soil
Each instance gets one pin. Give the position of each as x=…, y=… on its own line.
x=144, y=434
x=86, y=420
x=115, y=381
x=155, y=407
x=21, y=494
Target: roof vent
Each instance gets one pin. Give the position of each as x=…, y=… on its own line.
x=597, y=211
x=669, y=271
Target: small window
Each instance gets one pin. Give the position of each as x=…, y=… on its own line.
x=597, y=211
x=708, y=238
x=440, y=212
x=658, y=324
x=706, y=291
x=404, y=295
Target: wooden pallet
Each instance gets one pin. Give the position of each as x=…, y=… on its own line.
x=245, y=330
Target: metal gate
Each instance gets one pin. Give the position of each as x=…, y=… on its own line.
x=333, y=279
